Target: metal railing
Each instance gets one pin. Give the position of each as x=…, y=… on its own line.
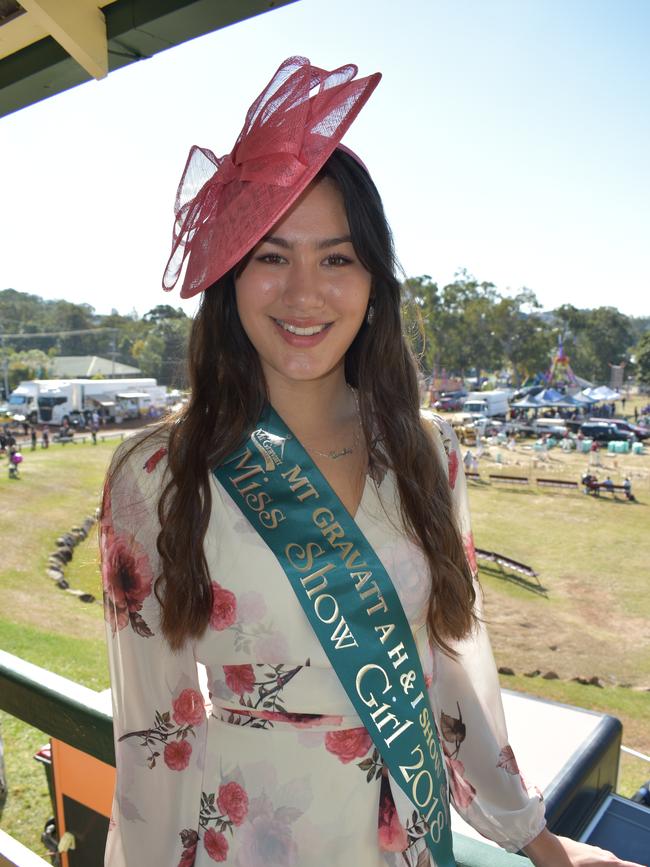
x=77, y=716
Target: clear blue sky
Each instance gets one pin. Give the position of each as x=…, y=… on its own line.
x=508, y=137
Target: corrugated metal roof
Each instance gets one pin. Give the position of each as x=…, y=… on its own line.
x=79, y=366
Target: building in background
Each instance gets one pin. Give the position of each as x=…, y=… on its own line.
x=89, y=366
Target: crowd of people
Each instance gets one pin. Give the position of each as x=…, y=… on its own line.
x=11, y=448
x=590, y=482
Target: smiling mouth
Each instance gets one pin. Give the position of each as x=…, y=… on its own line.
x=302, y=332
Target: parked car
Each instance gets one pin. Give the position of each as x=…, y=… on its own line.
x=553, y=426
x=640, y=431
x=604, y=431
x=451, y=401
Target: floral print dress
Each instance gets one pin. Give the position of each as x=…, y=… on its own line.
x=277, y=770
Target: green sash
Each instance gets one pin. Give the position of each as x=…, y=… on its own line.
x=353, y=608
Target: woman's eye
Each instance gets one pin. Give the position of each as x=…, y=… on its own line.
x=337, y=259
x=271, y=258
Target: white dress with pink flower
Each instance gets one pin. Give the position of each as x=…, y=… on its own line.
x=279, y=772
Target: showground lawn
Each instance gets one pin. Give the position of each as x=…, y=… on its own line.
x=57, y=489
x=593, y=617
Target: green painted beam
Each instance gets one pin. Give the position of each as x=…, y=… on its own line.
x=136, y=30
x=57, y=706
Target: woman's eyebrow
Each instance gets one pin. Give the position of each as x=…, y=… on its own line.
x=321, y=245
x=275, y=239
x=332, y=242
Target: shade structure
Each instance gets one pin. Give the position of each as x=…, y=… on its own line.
x=573, y=400
x=602, y=392
x=528, y=403
x=549, y=397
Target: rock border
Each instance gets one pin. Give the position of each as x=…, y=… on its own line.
x=584, y=681
x=62, y=555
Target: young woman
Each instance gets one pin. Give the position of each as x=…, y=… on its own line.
x=300, y=532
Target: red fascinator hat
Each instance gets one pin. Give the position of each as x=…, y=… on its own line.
x=225, y=205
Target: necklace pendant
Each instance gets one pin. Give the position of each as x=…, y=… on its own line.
x=334, y=455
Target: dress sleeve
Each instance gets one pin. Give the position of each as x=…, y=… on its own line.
x=485, y=783
x=159, y=717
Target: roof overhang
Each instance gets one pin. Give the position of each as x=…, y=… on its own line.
x=48, y=46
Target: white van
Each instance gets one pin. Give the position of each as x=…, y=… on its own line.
x=486, y=404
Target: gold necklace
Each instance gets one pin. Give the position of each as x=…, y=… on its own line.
x=335, y=454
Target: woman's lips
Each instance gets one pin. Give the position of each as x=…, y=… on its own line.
x=302, y=341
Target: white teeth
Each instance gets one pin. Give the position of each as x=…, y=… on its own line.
x=303, y=332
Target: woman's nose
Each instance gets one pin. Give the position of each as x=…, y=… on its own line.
x=304, y=288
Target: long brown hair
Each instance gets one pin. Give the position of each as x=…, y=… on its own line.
x=228, y=393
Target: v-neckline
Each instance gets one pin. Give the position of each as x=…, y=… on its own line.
x=369, y=480
x=355, y=516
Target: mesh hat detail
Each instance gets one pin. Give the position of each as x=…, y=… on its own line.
x=226, y=205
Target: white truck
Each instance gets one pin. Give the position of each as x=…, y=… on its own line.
x=50, y=401
x=486, y=404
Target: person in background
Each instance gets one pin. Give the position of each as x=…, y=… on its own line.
x=15, y=459
x=594, y=456
x=627, y=490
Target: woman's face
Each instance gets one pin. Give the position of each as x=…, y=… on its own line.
x=303, y=294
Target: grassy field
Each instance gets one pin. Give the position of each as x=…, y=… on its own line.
x=58, y=488
x=591, y=553
x=590, y=619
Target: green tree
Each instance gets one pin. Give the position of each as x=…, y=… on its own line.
x=64, y=316
x=468, y=326
x=175, y=333
x=161, y=353
x=28, y=364
x=20, y=313
x=163, y=311
x=642, y=359
x=594, y=339
x=525, y=337
x=128, y=330
x=609, y=338
x=421, y=316
x=639, y=325
x=148, y=354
